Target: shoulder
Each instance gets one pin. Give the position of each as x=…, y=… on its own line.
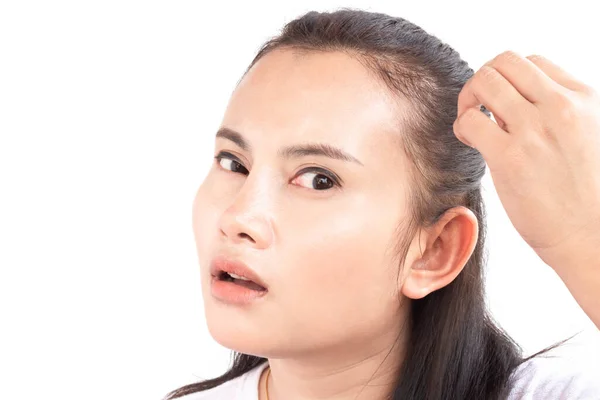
x=244, y=387
x=572, y=376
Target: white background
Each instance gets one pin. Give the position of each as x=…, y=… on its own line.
x=108, y=111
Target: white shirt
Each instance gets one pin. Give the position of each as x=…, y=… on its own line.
x=536, y=379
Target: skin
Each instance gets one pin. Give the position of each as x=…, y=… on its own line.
x=544, y=158
x=329, y=332
x=337, y=298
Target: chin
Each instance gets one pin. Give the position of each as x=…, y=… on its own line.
x=237, y=341
x=233, y=330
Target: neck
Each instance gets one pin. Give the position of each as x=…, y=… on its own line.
x=341, y=375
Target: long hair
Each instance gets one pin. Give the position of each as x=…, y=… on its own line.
x=455, y=348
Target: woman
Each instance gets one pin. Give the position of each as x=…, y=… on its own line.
x=340, y=231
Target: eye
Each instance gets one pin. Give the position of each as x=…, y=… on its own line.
x=230, y=162
x=318, y=179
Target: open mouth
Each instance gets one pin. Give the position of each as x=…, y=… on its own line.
x=238, y=280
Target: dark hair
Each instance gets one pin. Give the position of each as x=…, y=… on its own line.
x=455, y=348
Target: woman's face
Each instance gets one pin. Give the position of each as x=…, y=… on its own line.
x=319, y=231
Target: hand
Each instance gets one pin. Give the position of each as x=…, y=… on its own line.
x=543, y=153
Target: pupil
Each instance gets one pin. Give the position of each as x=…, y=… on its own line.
x=320, y=180
x=237, y=167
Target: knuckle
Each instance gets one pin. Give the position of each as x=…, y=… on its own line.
x=510, y=57
x=488, y=74
x=474, y=82
x=589, y=92
x=535, y=57
x=564, y=107
x=567, y=114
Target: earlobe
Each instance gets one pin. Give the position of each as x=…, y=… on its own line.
x=421, y=282
x=413, y=290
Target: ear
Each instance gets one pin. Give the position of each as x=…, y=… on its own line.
x=440, y=253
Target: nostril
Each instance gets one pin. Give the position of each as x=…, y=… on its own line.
x=245, y=235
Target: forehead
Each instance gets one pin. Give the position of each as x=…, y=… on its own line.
x=290, y=97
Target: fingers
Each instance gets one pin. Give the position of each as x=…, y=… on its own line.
x=512, y=88
x=524, y=75
x=557, y=74
x=490, y=88
x=476, y=129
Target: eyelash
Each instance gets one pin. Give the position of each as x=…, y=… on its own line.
x=319, y=171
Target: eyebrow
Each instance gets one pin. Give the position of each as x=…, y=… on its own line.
x=293, y=151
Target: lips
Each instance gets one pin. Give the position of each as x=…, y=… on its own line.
x=222, y=267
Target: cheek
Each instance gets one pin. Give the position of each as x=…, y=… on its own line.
x=346, y=265
x=340, y=274
x=205, y=219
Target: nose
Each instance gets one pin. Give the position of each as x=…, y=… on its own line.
x=247, y=221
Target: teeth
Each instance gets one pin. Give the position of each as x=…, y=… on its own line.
x=237, y=277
